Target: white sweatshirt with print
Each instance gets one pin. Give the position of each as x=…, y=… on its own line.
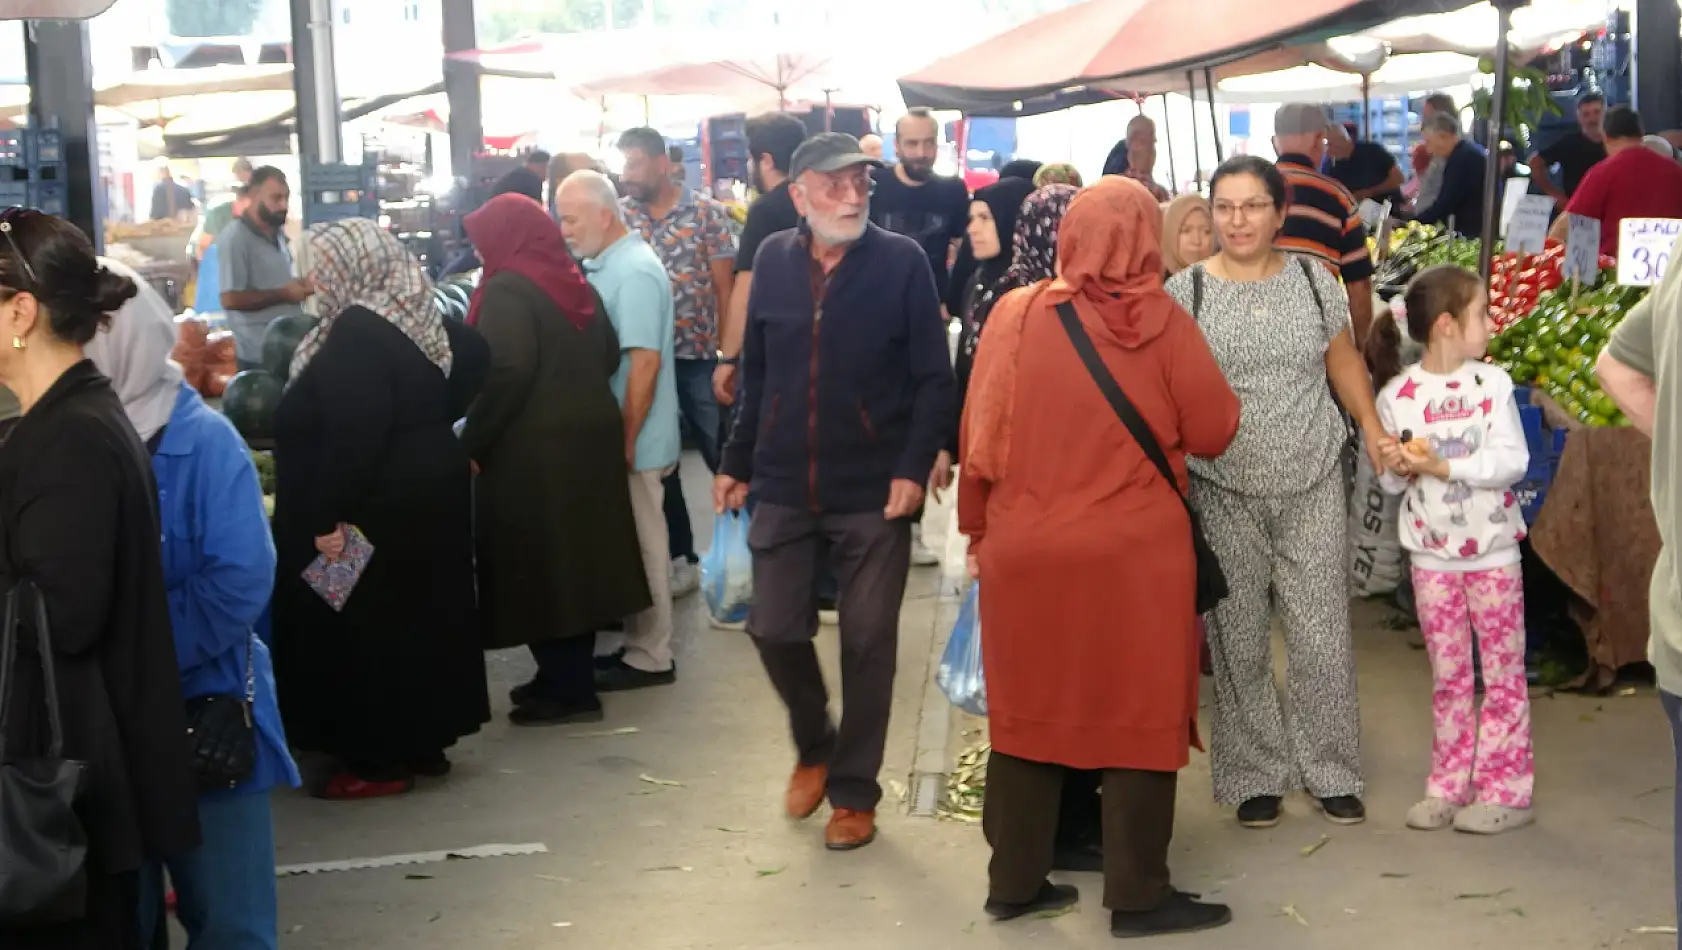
x=1471, y=521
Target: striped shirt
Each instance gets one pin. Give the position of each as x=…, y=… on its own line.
x=1323, y=221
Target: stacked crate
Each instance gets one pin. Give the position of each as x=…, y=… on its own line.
x=1546, y=446
x=335, y=192
x=32, y=173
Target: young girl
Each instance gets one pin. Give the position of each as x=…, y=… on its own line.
x=1454, y=451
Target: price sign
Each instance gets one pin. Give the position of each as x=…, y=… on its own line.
x=1644, y=247
x=1582, y=249
x=1373, y=214
x=1527, y=228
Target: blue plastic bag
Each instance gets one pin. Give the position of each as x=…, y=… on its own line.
x=960, y=675
x=727, y=569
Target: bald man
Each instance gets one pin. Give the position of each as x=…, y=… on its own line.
x=871, y=145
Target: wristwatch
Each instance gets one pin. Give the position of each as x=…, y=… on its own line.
x=729, y=360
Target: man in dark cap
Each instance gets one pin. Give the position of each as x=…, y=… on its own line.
x=838, y=464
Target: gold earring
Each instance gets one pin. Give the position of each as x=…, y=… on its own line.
x=18, y=343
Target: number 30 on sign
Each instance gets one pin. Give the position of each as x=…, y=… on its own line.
x=1644, y=246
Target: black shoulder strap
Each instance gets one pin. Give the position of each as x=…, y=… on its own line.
x=1313, y=288
x=1196, y=291
x=1118, y=400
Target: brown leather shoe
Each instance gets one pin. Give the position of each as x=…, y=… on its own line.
x=849, y=830
x=806, y=790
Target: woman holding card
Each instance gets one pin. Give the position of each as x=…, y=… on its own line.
x=372, y=482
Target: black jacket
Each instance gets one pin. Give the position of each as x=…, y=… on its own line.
x=78, y=517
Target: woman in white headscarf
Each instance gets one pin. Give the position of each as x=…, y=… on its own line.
x=218, y=562
x=364, y=440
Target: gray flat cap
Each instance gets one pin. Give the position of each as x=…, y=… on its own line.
x=1300, y=118
x=828, y=152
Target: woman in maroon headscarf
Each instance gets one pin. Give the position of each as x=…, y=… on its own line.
x=558, y=555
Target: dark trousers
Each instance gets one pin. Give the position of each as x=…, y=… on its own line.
x=870, y=558
x=112, y=921
x=698, y=418
x=566, y=670
x=1020, y=822
x=1080, y=820
x=1673, y=710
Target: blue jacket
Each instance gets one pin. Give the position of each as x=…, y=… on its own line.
x=840, y=400
x=219, y=566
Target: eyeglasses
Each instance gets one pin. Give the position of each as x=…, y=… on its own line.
x=1254, y=208
x=839, y=187
x=7, y=217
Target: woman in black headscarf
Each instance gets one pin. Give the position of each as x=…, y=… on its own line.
x=963, y=266
x=992, y=228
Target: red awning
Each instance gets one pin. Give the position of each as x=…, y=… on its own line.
x=1101, y=43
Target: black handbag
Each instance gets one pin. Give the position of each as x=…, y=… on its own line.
x=43, y=846
x=1211, y=580
x=221, y=737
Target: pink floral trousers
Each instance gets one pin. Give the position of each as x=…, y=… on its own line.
x=1487, y=758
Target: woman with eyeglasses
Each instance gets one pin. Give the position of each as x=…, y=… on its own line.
x=79, y=521
x=1273, y=506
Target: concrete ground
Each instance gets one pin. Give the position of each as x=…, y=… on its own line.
x=711, y=862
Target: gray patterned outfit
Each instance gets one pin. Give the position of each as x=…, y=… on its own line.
x=1274, y=509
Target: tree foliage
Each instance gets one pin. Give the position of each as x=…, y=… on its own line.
x=212, y=17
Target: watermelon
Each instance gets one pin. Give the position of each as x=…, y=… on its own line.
x=281, y=341
x=250, y=401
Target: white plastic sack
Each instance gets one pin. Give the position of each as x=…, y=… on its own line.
x=1376, y=558
x=727, y=569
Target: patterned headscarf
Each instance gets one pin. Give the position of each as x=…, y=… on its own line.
x=355, y=262
x=1034, y=247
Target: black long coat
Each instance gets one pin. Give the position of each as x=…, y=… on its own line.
x=79, y=518
x=558, y=553
x=364, y=437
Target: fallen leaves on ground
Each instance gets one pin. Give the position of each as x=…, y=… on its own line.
x=1310, y=849
x=606, y=733
x=769, y=872
x=1290, y=910
x=1394, y=875
x=1653, y=931
x=663, y=782
x=1483, y=895
x=966, y=787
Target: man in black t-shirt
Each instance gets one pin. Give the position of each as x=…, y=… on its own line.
x=772, y=139
x=1367, y=169
x=910, y=199
x=1575, y=152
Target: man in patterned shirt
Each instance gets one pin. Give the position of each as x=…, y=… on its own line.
x=693, y=237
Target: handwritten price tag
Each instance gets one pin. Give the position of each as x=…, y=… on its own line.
x=1644, y=248
x=1582, y=249
x=1527, y=228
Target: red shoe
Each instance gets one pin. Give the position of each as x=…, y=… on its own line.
x=850, y=830
x=346, y=787
x=806, y=790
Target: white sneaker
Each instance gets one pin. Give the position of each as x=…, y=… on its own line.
x=686, y=578
x=1432, y=814
x=920, y=555
x=717, y=624
x=1488, y=819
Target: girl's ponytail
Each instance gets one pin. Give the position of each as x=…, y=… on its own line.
x=1384, y=350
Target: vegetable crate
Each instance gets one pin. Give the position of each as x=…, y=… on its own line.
x=1546, y=446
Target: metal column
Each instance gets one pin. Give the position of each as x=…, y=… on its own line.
x=61, y=91
x=1196, y=146
x=315, y=84
x=1497, y=112
x=1214, y=120
x=1658, y=63
x=461, y=86
x=1168, y=130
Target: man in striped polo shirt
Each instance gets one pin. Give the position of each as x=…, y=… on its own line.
x=1322, y=220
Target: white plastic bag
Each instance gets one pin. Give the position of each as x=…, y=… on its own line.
x=1376, y=558
x=727, y=569
x=961, y=676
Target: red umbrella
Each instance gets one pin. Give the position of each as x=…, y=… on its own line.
x=1098, y=41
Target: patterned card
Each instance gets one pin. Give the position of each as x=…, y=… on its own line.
x=335, y=579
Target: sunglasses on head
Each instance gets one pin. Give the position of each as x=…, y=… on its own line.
x=8, y=216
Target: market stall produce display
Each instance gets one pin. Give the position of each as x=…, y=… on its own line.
x=281, y=340
x=1555, y=344
x=249, y=403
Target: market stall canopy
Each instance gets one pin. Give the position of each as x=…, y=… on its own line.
x=1472, y=30
x=53, y=9
x=1098, y=48
x=167, y=92
x=1400, y=76
x=580, y=57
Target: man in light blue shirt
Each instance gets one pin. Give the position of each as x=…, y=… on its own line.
x=637, y=291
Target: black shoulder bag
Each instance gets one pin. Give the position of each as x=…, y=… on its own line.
x=43, y=846
x=1211, y=580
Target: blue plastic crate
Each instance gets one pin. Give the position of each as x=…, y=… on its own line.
x=1521, y=395
x=14, y=194
x=1537, y=441
x=49, y=171
x=45, y=147
x=1532, y=494
x=14, y=148
x=49, y=197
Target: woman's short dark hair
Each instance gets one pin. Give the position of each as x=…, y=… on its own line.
x=1261, y=168
x=59, y=268
x=776, y=134
x=1445, y=288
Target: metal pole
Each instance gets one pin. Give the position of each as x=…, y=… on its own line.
x=1366, y=105
x=1196, y=146
x=315, y=87
x=1214, y=121
x=60, y=72
x=1497, y=110
x=1168, y=127
x=461, y=87
x=1656, y=56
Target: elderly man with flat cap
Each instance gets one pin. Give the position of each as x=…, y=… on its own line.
x=847, y=392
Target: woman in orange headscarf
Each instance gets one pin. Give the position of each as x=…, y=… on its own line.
x=1085, y=557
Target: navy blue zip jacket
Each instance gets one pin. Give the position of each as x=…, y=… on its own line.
x=839, y=400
